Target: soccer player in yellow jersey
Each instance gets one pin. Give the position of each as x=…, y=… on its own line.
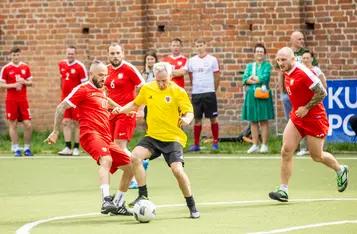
x=165, y=100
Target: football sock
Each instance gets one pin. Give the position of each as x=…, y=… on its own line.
x=16, y=147
x=197, y=132
x=215, y=132
x=104, y=189
x=284, y=187
x=26, y=146
x=127, y=152
x=143, y=191
x=339, y=172
x=119, y=198
x=190, y=201
x=76, y=145
x=69, y=144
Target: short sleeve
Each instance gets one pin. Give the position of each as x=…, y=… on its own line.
x=77, y=95
x=141, y=98
x=309, y=78
x=83, y=76
x=3, y=75
x=215, y=65
x=136, y=77
x=28, y=72
x=184, y=102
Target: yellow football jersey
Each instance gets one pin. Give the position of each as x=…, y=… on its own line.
x=164, y=108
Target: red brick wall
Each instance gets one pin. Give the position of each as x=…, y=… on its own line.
x=42, y=29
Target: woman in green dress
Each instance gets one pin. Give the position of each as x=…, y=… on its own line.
x=258, y=110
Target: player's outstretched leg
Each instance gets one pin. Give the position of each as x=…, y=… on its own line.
x=184, y=184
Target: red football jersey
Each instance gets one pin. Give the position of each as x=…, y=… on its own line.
x=92, y=107
x=177, y=63
x=9, y=74
x=122, y=82
x=298, y=84
x=72, y=75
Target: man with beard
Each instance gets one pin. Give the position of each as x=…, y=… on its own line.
x=95, y=138
x=307, y=118
x=121, y=83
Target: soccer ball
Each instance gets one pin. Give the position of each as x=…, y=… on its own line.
x=144, y=211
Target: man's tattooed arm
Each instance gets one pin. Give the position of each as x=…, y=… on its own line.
x=320, y=94
x=59, y=115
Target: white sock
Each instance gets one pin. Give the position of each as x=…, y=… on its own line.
x=339, y=172
x=284, y=187
x=104, y=189
x=127, y=152
x=119, y=198
x=16, y=147
x=26, y=146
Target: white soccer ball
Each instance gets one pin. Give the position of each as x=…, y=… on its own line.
x=144, y=211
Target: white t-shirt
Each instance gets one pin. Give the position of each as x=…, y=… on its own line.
x=318, y=72
x=202, y=70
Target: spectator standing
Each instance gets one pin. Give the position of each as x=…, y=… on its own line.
x=258, y=109
x=15, y=77
x=73, y=73
x=205, y=74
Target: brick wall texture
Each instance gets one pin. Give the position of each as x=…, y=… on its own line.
x=43, y=29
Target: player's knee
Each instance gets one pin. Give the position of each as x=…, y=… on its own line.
x=27, y=125
x=76, y=124
x=106, y=161
x=286, y=151
x=135, y=158
x=177, y=171
x=316, y=157
x=66, y=122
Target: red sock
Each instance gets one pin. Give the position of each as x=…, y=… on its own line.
x=215, y=132
x=196, y=133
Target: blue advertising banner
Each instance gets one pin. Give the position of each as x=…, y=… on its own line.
x=340, y=104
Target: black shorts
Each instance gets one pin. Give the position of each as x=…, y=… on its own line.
x=172, y=151
x=205, y=103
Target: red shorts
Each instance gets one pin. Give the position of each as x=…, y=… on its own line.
x=122, y=126
x=316, y=127
x=17, y=110
x=98, y=147
x=71, y=113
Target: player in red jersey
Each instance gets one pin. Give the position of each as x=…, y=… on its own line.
x=177, y=61
x=15, y=77
x=73, y=73
x=121, y=83
x=95, y=138
x=307, y=118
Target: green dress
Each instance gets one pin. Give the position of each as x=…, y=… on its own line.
x=254, y=109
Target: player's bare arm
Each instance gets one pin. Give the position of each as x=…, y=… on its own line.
x=190, y=76
x=178, y=73
x=131, y=106
x=217, y=79
x=52, y=138
x=10, y=86
x=112, y=104
x=320, y=94
x=186, y=119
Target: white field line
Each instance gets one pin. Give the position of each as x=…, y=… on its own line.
x=187, y=157
x=305, y=227
x=27, y=227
